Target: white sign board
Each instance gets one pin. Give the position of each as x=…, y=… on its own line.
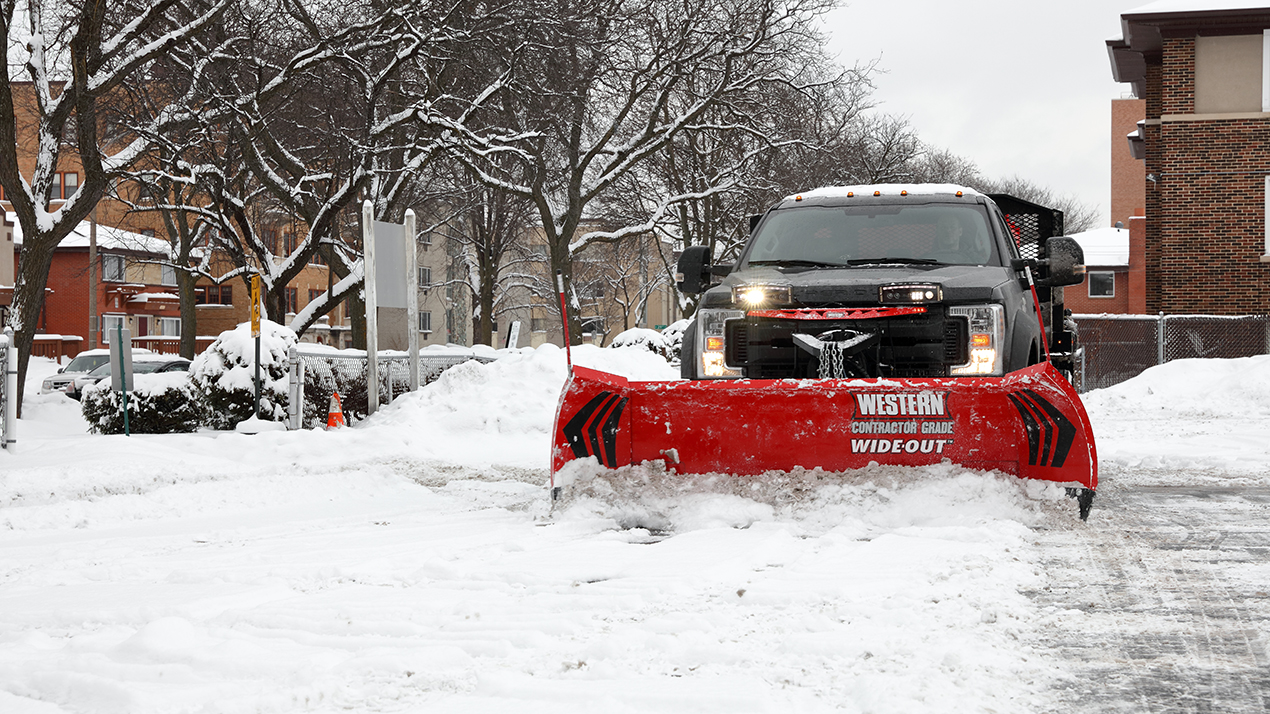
x=390, y=256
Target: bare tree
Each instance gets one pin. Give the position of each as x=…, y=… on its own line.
x=76, y=55
x=604, y=85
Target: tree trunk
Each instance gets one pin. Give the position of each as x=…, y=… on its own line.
x=28, y=302
x=189, y=323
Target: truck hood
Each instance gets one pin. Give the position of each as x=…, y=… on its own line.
x=858, y=285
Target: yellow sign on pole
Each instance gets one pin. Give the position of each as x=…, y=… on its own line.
x=255, y=306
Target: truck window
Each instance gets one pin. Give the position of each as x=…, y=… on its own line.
x=948, y=234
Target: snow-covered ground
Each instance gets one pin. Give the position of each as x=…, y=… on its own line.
x=412, y=563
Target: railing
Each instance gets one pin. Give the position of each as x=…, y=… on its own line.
x=1114, y=348
x=323, y=373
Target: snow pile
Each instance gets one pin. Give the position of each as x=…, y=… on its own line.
x=1187, y=414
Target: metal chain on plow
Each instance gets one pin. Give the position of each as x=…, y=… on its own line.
x=831, y=366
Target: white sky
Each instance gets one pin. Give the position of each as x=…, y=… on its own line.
x=1018, y=87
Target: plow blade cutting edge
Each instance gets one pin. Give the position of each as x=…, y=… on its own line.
x=1030, y=423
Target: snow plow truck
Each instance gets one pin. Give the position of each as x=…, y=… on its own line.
x=892, y=324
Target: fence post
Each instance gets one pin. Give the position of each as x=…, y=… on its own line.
x=1159, y=340
x=391, y=363
x=294, y=388
x=10, y=391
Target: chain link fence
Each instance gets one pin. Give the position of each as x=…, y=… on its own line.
x=325, y=373
x=1114, y=348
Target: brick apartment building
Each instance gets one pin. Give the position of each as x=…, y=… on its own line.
x=1205, y=142
x=220, y=307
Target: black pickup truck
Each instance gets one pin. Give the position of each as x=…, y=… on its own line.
x=890, y=281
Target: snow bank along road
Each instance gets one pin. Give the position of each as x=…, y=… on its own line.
x=412, y=564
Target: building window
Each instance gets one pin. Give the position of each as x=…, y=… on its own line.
x=425, y=278
x=109, y=324
x=168, y=276
x=315, y=294
x=592, y=325
x=1102, y=285
x=112, y=268
x=538, y=324
x=425, y=321
x=214, y=295
x=170, y=326
x=64, y=186
x=291, y=298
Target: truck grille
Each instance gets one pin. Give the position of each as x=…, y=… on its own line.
x=910, y=346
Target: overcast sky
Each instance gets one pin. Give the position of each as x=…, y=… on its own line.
x=1017, y=86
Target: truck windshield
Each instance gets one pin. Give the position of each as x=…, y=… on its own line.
x=934, y=234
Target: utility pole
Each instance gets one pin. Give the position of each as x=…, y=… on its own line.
x=92, y=280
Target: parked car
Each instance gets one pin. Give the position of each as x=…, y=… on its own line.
x=82, y=364
x=141, y=364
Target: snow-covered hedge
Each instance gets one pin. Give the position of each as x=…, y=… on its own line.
x=674, y=337
x=666, y=343
x=225, y=371
x=164, y=403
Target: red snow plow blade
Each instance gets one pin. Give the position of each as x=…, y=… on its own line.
x=1029, y=423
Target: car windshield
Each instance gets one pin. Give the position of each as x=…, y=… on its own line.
x=921, y=234
x=138, y=367
x=87, y=363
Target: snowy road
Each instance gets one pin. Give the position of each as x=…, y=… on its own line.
x=1164, y=602
x=412, y=564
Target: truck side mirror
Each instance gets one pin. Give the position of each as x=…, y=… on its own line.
x=1066, y=262
x=693, y=274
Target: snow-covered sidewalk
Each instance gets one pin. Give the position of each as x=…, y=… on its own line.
x=411, y=564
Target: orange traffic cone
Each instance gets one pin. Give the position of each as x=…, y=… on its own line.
x=334, y=414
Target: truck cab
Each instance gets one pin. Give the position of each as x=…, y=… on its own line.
x=892, y=281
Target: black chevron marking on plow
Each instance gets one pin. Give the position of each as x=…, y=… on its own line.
x=1033, y=429
x=609, y=434
x=576, y=426
x=593, y=427
x=1066, y=429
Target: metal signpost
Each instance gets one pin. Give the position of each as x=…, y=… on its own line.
x=255, y=333
x=121, y=369
x=389, y=273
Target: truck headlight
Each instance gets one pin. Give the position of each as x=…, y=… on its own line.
x=910, y=294
x=985, y=340
x=713, y=340
x=759, y=295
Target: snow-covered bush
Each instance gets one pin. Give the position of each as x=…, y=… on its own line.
x=650, y=340
x=224, y=374
x=164, y=403
x=674, y=338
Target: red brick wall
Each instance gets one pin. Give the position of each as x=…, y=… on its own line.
x=1128, y=195
x=1212, y=217
x=66, y=307
x=1076, y=297
x=1177, y=79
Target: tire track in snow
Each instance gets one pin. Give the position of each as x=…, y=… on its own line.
x=1161, y=603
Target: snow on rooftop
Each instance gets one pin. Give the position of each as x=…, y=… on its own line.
x=108, y=238
x=147, y=297
x=1105, y=247
x=886, y=189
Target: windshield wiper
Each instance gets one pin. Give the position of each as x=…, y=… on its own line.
x=797, y=263
x=893, y=261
